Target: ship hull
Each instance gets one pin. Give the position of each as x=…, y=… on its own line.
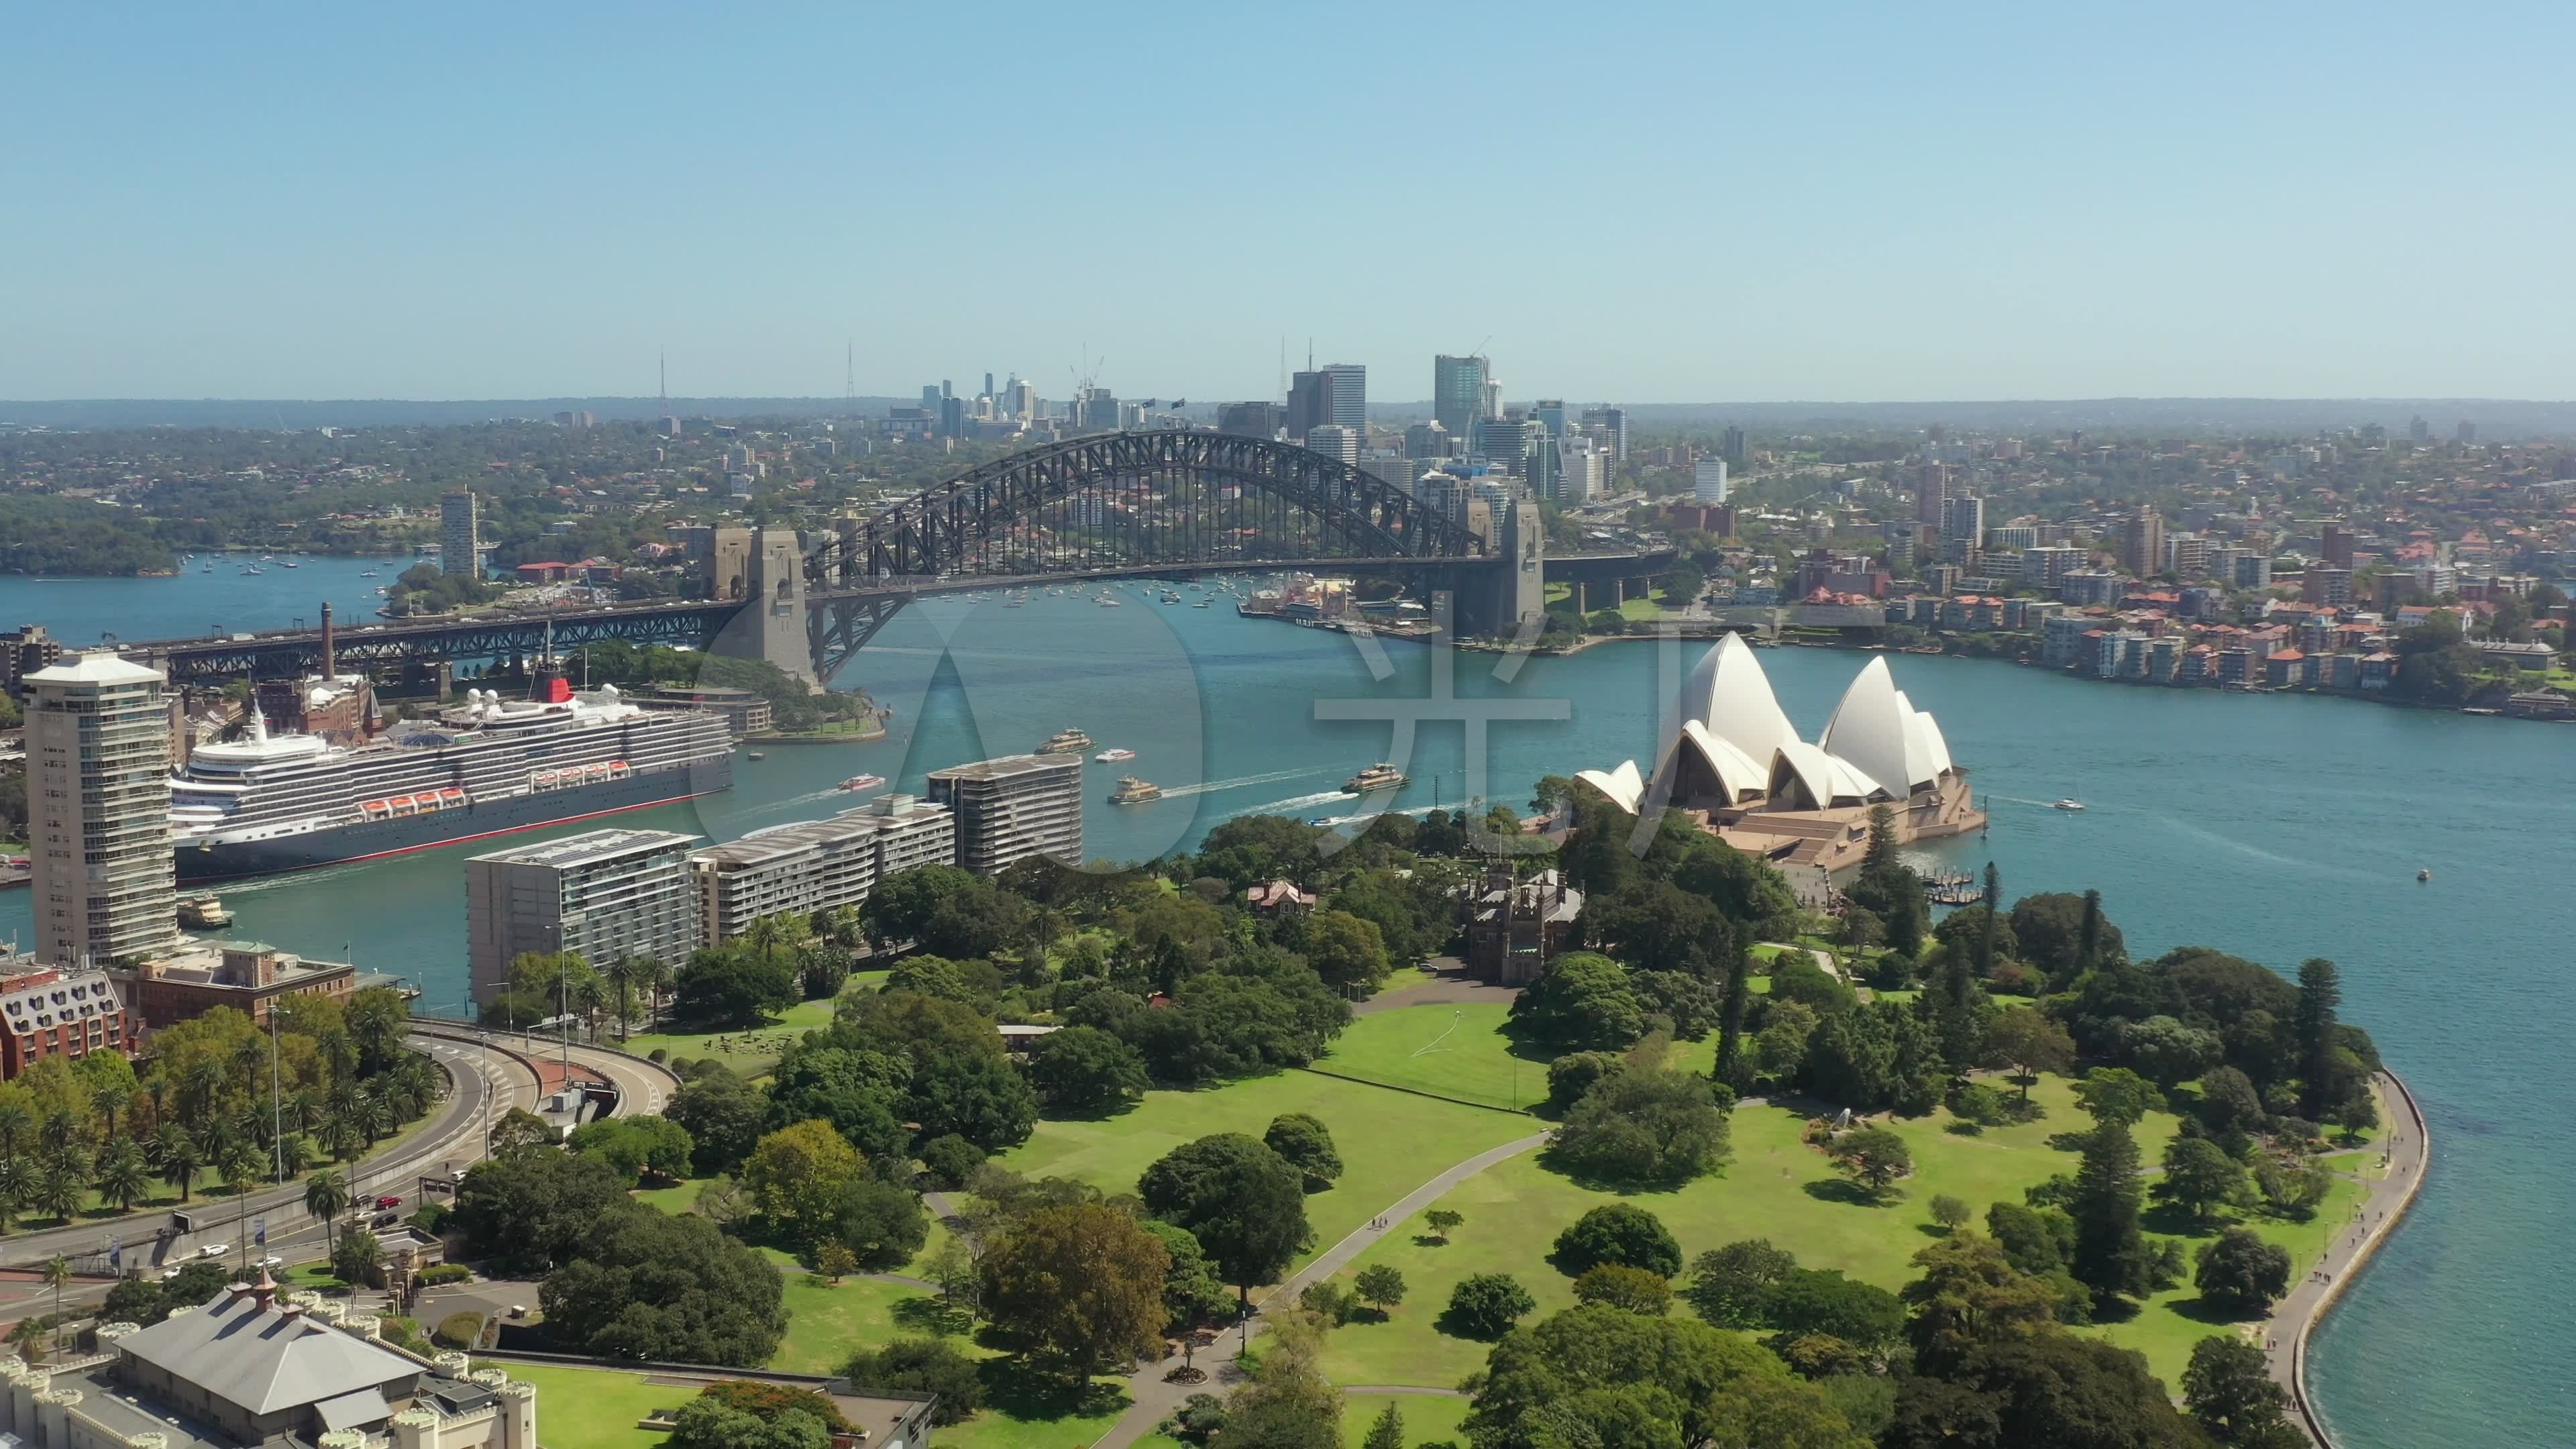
x=370, y=840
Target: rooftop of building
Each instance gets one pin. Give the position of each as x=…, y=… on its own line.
x=99, y=667
x=251, y=1349
x=1009, y=765
x=592, y=847
x=778, y=842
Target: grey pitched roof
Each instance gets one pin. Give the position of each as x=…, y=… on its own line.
x=266, y=1361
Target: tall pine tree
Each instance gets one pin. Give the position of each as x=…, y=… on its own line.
x=1732, y=1069
x=1386, y=1431
x=2320, y=992
x=2111, y=1256
x=2088, y=939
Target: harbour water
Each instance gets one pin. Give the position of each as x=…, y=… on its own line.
x=2276, y=828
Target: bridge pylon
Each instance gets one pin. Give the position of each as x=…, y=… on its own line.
x=771, y=625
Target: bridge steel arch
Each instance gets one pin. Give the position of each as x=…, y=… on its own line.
x=967, y=525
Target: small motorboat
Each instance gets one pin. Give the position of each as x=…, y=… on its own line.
x=1322, y=822
x=2423, y=875
x=862, y=782
x=1113, y=756
x=2069, y=803
x=754, y=755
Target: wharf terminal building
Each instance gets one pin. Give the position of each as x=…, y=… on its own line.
x=1733, y=760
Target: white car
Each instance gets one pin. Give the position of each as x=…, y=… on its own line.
x=272, y=1261
x=213, y=1250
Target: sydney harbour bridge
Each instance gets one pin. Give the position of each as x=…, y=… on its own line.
x=1170, y=503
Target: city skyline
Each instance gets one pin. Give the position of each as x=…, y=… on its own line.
x=2020, y=203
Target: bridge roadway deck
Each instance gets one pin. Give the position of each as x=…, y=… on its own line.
x=289, y=652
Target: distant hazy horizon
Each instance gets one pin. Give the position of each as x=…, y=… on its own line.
x=2497, y=419
x=1637, y=202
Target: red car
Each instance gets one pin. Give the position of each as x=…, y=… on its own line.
x=386, y=1202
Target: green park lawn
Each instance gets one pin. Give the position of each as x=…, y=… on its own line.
x=1455, y=1051
x=1776, y=1187
x=1427, y=1418
x=1391, y=1142
x=747, y=1053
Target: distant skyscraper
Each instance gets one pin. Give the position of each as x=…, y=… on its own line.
x=1731, y=446
x=1307, y=397
x=2466, y=432
x=1458, y=391
x=1613, y=423
x=1551, y=411
x=1963, y=520
x=459, y=544
x=930, y=396
x=1020, y=399
x=1931, y=492
x=1708, y=481
x=98, y=811
x=1334, y=441
x=2419, y=430
x=1346, y=396
x=1251, y=419
x=2142, y=543
x=2338, y=546
x=1543, y=462
x=1428, y=440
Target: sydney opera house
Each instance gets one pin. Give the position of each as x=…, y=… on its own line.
x=1732, y=758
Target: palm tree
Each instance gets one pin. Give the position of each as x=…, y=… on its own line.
x=58, y=1272
x=303, y=1109
x=106, y=1101
x=31, y=1338
x=250, y=1059
x=665, y=976
x=627, y=973
x=339, y=1136
x=15, y=1122
x=58, y=1190
x=589, y=997
x=296, y=1154
x=122, y=1174
x=199, y=1085
x=375, y=1117
x=60, y=1131
x=341, y=1051
x=157, y=1087
x=238, y=1162
x=13, y=1190
x=178, y=1157
x=326, y=1196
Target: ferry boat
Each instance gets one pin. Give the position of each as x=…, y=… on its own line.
x=863, y=782
x=488, y=767
x=1132, y=791
x=203, y=913
x=1065, y=742
x=1113, y=756
x=1380, y=776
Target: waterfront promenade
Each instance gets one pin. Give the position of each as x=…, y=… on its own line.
x=2408, y=1150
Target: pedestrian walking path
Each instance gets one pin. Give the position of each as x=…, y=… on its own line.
x=2406, y=1153
x=1155, y=1400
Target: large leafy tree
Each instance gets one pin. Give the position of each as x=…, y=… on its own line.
x=1583, y=1003
x=1081, y=1285
x=797, y=1174
x=1244, y=1203
x=1658, y=1380
x=1643, y=1125
x=651, y=1286
x=1082, y=1070
x=530, y=1211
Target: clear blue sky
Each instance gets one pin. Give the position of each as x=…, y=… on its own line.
x=1645, y=204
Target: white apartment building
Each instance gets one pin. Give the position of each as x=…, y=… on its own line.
x=603, y=893
x=1012, y=808
x=817, y=865
x=98, y=809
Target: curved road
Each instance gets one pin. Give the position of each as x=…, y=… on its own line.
x=485, y=1086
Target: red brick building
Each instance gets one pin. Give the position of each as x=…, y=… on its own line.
x=50, y=1012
